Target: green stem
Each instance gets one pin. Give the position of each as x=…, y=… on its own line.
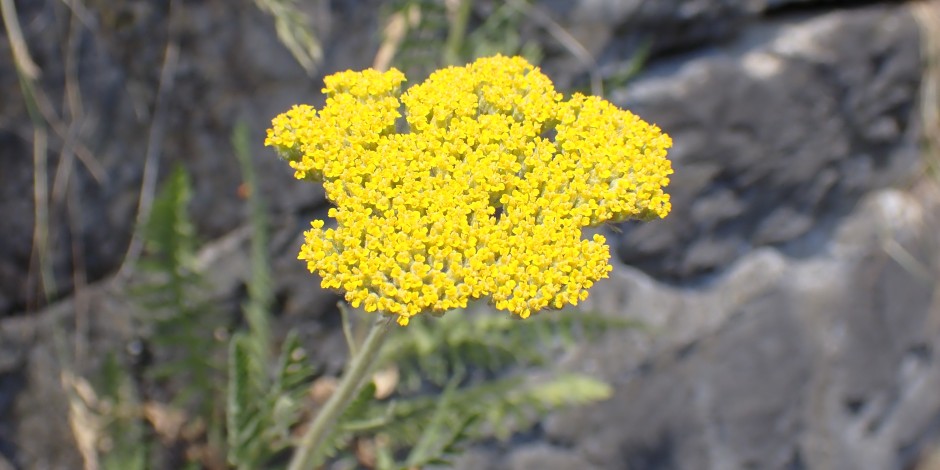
x=309, y=448
x=457, y=32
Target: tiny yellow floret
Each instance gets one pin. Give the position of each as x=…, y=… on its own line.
x=476, y=183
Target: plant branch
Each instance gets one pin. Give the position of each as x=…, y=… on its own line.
x=309, y=448
x=21, y=55
x=154, y=146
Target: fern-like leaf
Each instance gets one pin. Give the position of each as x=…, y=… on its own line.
x=518, y=404
x=437, y=348
x=260, y=288
x=178, y=313
x=129, y=449
x=242, y=413
x=285, y=400
x=437, y=425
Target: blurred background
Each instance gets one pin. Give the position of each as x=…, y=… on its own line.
x=788, y=306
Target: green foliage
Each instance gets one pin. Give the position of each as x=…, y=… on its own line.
x=420, y=49
x=493, y=408
x=461, y=381
x=264, y=393
x=261, y=405
x=457, y=32
x=260, y=290
x=437, y=348
x=178, y=322
x=170, y=235
x=501, y=32
x=354, y=419
x=179, y=315
x=261, y=409
x=242, y=419
x=123, y=425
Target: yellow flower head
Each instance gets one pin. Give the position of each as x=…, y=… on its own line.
x=477, y=182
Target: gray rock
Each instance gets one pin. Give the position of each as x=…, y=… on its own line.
x=825, y=362
x=44, y=348
x=618, y=30
x=777, y=134
x=231, y=68
x=546, y=458
x=613, y=30
x=780, y=363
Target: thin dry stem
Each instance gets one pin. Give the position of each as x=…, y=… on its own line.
x=564, y=38
x=21, y=55
x=84, y=423
x=395, y=30
x=154, y=146
x=39, y=261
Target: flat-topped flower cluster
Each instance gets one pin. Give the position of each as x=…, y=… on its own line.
x=482, y=190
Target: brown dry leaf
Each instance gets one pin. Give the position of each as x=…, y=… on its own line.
x=210, y=457
x=193, y=430
x=386, y=381
x=322, y=389
x=395, y=30
x=365, y=452
x=168, y=422
x=85, y=424
x=243, y=191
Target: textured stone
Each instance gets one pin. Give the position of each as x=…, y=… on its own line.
x=781, y=363
x=231, y=69
x=616, y=30
x=547, y=458
x=777, y=134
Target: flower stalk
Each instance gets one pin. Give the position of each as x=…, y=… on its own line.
x=309, y=449
x=476, y=183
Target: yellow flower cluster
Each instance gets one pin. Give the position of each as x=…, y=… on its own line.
x=481, y=189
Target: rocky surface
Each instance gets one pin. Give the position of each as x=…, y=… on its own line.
x=230, y=68
x=782, y=363
x=791, y=296
x=827, y=120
